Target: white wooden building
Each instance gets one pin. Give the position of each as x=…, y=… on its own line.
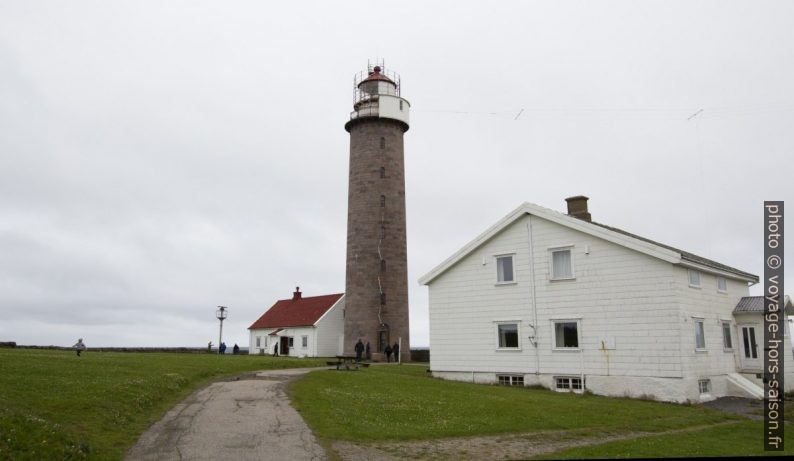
x=558, y=300
x=301, y=327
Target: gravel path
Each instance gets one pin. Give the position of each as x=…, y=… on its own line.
x=249, y=417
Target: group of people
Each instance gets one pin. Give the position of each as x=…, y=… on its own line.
x=360, y=349
x=222, y=348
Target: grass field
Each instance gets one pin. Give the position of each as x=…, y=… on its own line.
x=404, y=403
x=55, y=405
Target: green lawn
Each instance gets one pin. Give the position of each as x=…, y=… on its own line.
x=55, y=405
x=743, y=439
x=403, y=403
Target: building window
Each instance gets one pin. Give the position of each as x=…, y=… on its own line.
x=401, y=105
x=504, y=269
x=258, y=340
x=304, y=341
x=722, y=284
x=383, y=265
x=383, y=299
x=383, y=232
x=510, y=380
x=700, y=337
x=291, y=342
x=508, y=335
x=382, y=201
x=694, y=279
x=750, y=346
x=561, y=264
x=726, y=336
x=382, y=143
x=566, y=334
x=704, y=386
x=568, y=383
x=382, y=172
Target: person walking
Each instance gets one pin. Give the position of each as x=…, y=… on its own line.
x=359, y=348
x=236, y=349
x=79, y=346
x=209, y=347
x=368, y=352
x=223, y=348
x=396, y=351
x=275, y=350
x=388, y=353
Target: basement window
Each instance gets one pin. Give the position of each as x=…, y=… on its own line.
x=568, y=383
x=704, y=386
x=510, y=380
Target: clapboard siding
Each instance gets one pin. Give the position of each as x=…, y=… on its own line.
x=617, y=293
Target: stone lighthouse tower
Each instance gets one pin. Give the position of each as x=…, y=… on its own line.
x=376, y=285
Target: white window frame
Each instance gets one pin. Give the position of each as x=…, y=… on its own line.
x=570, y=380
x=506, y=379
x=304, y=341
x=702, y=322
x=689, y=278
x=291, y=342
x=258, y=341
x=554, y=323
x=551, y=251
x=723, y=324
x=722, y=279
x=517, y=323
x=704, y=386
x=512, y=257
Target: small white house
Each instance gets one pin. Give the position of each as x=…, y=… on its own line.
x=300, y=327
x=558, y=300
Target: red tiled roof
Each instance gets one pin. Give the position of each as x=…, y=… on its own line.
x=296, y=312
x=376, y=75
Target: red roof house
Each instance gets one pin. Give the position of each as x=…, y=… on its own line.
x=309, y=326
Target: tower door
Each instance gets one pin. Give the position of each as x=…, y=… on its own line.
x=751, y=358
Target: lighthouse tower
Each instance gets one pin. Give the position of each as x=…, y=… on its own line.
x=376, y=285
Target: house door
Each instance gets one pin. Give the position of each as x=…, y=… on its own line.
x=283, y=348
x=751, y=358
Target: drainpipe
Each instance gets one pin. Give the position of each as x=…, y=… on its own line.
x=533, y=297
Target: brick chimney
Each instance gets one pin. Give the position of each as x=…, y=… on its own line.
x=296, y=295
x=577, y=207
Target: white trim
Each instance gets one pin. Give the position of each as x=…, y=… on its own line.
x=720, y=290
x=554, y=322
x=550, y=254
x=517, y=323
x=702, y=320
x=512, y=263
x=689, y=273
x=641, y=246
x=341, y=298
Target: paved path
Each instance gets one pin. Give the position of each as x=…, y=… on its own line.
x=247, y=418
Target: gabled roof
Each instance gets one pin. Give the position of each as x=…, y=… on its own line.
x=755, y=304
x=610, y=234
x=300, y=312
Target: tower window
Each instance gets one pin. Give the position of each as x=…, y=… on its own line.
x=383, y=265
x=382, y=232
x=383, y=172
x=382, y=143
x=401, y=105
x=383, y=299
x=382, y=201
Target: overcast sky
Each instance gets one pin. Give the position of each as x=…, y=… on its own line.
x=159, y=158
